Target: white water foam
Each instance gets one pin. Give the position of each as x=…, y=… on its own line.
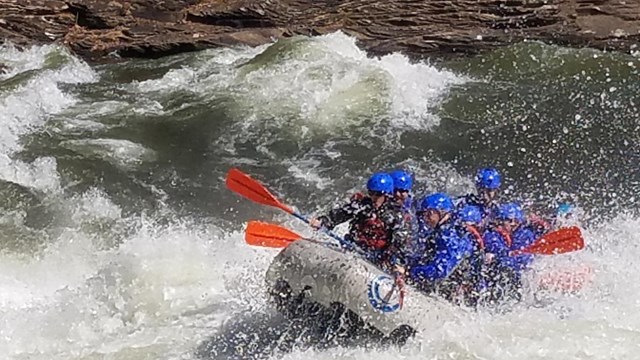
x=164, y=289
x=321, y=82
x=41, y=174
x=306, y=169
x=18, y=60
x=26, y=108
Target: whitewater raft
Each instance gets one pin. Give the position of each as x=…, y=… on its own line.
x=312, y=273
x=308, y=272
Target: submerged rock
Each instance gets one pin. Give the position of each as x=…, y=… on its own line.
x=99, y=30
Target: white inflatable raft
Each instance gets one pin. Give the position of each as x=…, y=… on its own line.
x=328, y=276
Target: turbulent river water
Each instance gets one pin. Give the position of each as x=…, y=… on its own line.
x=119, y=240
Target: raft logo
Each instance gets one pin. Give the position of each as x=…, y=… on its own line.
x=384, y=295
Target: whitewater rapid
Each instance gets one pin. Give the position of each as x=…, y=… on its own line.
x=119, y=241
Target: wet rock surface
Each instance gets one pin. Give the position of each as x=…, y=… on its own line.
x=101, y=29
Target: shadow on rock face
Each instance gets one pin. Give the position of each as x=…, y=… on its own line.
x=265, y=335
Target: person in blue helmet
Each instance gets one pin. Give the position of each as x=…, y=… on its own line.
x=509, y=232
x=422, y=245
x=488, y=182
x=376, y=222
x=440, y=251
x=402, y=186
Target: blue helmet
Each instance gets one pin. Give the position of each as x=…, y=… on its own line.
x=488, y=178
x=510, y=211
x=437, y=201
x=381, y=182
x=401, y=180
x=470, y=213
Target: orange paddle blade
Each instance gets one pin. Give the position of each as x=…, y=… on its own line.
x=557, y=242
x=250, y=188
x=269, y=235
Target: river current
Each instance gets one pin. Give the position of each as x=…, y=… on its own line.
x=119, y=239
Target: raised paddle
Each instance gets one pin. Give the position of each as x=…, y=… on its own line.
x=251, y=189
x=561, y=241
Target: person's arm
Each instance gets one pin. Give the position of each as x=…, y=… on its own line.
x=451, y=251
x=495, y=244
x=400, y=230
x=341, y=214
x=523, y=237
x=419, y=243
x=497, y=250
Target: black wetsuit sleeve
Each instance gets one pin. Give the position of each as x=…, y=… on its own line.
x=401, y=232
x=400, y=237
x=341, y=214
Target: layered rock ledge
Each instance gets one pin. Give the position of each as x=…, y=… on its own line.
x=96, y=29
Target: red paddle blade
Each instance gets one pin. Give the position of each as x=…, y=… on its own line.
x=557, y=242
x=250, y=188
x=269, y=235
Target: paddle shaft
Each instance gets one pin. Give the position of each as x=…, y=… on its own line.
x=323, y=230
x=253, y=190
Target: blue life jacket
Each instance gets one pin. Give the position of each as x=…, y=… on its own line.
x=450, y=250
x=421, y=247
x=472, y=277
x=500, y=243
x=523, y=236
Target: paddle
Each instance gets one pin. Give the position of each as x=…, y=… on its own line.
x=269, y=235
x=251, y=189
x=557, y=242
x=263, y=234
